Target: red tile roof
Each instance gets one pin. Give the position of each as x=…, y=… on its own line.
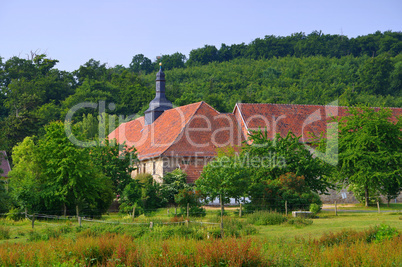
x=196, y=130
x=4, y=164
x=192, y=130
x=302, y=120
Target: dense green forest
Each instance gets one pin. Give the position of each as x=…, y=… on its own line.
x=299, y=69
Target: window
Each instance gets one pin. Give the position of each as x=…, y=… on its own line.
x=144, y=169
x=153, y=168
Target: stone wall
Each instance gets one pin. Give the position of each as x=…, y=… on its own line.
x=346, y=197
x=342, y=197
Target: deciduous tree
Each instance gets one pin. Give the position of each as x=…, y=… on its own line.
x=370, y=150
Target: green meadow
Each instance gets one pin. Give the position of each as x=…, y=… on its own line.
x=260, y=239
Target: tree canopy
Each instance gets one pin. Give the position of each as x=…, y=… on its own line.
x=370, y=152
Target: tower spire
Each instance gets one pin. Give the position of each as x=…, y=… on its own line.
x=160, y=103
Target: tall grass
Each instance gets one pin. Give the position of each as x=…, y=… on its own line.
x=4, y=232
x=265, y=218
x=109, y=249
x=118, y=250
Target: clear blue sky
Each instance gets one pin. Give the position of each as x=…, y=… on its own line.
x=75, y=31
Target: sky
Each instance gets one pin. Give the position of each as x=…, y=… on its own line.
x=112, y=32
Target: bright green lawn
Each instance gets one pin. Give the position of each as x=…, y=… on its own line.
x=327, y=221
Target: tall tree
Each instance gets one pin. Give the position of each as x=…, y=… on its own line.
x=115, y=161
x=173, y=182
x=71, y=176
x=203, y=56
x=374, y=76
x=26, y=182
x=141, y=64
x=269, y=159
x=173, y=61
x=370, y=150
x=223, y=177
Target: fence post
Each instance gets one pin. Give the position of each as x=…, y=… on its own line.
x=151, y=225
x=26, y=212
x=33, y=221
x=188, y=210
x=221, y=200
x=187, y=222
x=240, y=210
x=336, y=211
x=79, y=220
x=286, y=207
x=175, y=211
x=133, y=212
x=167, y=212
x=378, y=206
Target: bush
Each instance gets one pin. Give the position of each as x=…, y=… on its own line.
x=67, y=228
x=125, y=208
x=315, y=208
x=192, y=198
x=299, y=222
x=51, y=233
x=266, y=218
x=15, y=214
x=233, y=228
x=236, y=228
x=375, y=234
x=4, y=232
x=385, y=232
x=34, y=236
x=166, y=232
x=288, y=188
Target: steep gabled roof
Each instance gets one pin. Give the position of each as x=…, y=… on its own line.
x=192, y=130
x=302, y=120
x=4, y=164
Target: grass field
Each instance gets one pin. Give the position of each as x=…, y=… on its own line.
x=342, y=240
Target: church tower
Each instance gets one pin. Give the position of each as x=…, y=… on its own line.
x=160, y=103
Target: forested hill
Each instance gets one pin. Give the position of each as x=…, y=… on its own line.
x=289, y=80
x=297, y=45
x=298, y=69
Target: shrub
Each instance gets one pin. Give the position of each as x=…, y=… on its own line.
x=375, y=234
x=125, y=208
x=34, y=236
x=299, y=222
x=67, y=228
x=265, y=218
x=193, y=231
x=14, y=214
x=51, y=233
x=4, y=232
x=192, y=198
x=233, y=227
x=385, y=232
x=288, y=188
x=315, y=208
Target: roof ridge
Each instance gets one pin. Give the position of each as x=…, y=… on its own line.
x=281, y=104
x=182, y=129
x=203, y=102
x=241, y=116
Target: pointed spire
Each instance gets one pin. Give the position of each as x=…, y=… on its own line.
x=160, y=103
